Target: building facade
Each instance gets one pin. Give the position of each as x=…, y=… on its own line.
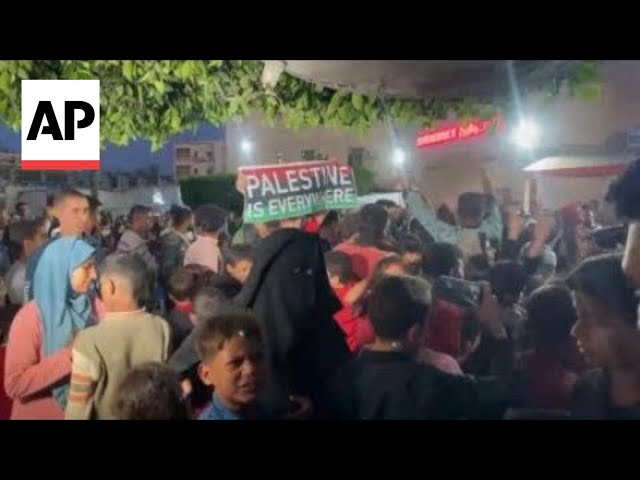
x=198, y=158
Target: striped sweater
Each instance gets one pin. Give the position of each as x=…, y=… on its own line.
x=104, y=354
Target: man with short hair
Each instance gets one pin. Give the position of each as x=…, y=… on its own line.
x=210, y=221
x=134, y=239
x=71, y=208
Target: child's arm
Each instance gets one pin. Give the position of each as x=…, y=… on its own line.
x=84, y=376
x=26, y=373
x=356, y=292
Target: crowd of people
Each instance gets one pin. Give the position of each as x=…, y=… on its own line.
x=490, y=310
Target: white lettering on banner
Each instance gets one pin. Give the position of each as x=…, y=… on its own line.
x=267, y=185
x=293, y=182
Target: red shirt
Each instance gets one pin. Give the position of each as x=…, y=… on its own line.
x=347, y=319
x=364, y=260
x=183, y=307
x=5, y=402
x=311, y=225
x=550, y=385
x=444, y=329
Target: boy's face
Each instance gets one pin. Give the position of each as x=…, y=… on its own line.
x=334, y=280
x=412, y=261
x=236, y=372
x=241, y=270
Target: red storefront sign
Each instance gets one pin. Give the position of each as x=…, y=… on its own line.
x=453, y=132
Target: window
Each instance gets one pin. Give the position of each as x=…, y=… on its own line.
x=183, y=152
x=311, y=155
x=183, y=171
x=209, y=171
x=308, y=155
x=195, y=171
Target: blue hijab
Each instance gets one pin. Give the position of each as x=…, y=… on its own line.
x=62, y=312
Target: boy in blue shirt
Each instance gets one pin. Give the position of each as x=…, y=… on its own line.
x=230, y=350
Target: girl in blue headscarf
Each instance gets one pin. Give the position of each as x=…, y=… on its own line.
x=38, y=361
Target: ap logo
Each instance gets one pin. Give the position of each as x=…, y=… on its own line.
x=60, y=124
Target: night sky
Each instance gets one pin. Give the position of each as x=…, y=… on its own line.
x=134, y=156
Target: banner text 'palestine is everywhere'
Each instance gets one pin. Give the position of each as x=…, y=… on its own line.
x=276, y=192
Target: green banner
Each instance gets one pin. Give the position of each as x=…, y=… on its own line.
x=277, y=192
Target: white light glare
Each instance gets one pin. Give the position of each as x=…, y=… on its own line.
x=398, y=156
x=526, y=135
x=245, y=146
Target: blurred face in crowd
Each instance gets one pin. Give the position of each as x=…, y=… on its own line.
x=412, y=262
x=142, y=224
x=23, y=211
x=32, y=244
x=458, y=270
x=236, y=372
x=241, y=270
x=92, y=222
x=395, y=269
x=83, y=276
x=395, y=213
x=185, y=226
x=73, y=213
x=600, y=333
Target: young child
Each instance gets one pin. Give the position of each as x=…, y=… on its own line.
x=230, y=350
x=386, y=381
x=150, y=391
x=508, y=280
x=126, y=337
x=342, y=280
x=412, y=253
x=238, y=262
x=182, y=286
x=237, y=267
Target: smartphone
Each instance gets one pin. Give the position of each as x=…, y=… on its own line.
x=459, y=292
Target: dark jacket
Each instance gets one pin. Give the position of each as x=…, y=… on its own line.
x=393, y=386
x=591, y=400
x=288, y=291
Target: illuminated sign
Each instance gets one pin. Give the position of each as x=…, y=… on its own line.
x=453, y=132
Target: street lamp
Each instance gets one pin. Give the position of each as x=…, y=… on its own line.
x=398, y=156
x=246, y=146
x=526, y=135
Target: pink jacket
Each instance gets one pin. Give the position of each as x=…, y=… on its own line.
x=28, y=377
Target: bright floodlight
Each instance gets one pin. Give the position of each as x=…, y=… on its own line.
x=398, y=156
x=245, y=146
x=526, y=135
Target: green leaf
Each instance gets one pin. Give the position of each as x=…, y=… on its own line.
x=357, y=100
x=588, y=92
x=334, y=103
x=159, y=86
x=127, y=69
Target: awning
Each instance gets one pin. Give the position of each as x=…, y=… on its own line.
x=579, y=165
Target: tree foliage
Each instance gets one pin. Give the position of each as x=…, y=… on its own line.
x=217, y=189
x=154, y=100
